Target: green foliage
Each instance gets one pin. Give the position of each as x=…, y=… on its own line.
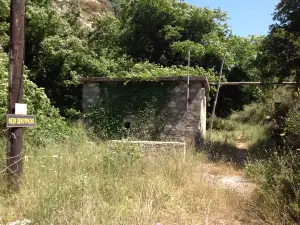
x=279, y=180
x=283, y=113
x=115, y=6
x=150, y=71
x=135, y=103
x=241, y=60
x=235, y=141
x=3, y=86
x=255, y=113
x=278, y=112
x=60, y=64
x=153, y=30
x=287, y=13
x=56, y=54
x=293, y=123
x=50, y=125
x=105, y=34
x=4, y=10
x=276, y=168
x=139, y=40
x=279, y=55
x=120, y=157
x=222, y=124
x=4, y=15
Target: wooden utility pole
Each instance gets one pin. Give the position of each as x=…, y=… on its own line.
x=15, y=88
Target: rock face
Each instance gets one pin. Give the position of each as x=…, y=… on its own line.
x=87, y=8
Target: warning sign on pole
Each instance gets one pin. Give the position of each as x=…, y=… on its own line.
x=13, y=120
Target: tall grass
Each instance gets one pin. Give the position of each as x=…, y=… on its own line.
x=82, y=182
x=229, y=130
x=278, y=198
x=235, y=141
x=274, y=163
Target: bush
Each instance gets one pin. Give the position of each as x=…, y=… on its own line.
x=279, y=193
x=286, y=121
x=293, y=124
x=221, y=124
x=279, y=113
x=254, y=113
x=50, y=125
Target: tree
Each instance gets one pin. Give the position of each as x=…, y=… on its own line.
x=4, y=18
x=242, y=56
x=57, y=53
x=162, y=31
x=288, y=14
x=143, y=40
x=280, y=52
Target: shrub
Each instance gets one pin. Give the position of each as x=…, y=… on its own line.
x=50, y=125
x=279, y=193
x=222, y=124
x=253, y=113
x=293, y=124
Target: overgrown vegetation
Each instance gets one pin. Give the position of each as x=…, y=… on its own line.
x=279, y=195
x=50, y=127
x=119, y=103
x=100, y=183
x=88, y=182
x=140, y=40
x=273, y=160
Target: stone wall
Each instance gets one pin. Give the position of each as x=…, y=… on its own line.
x=90, y=96
x=187, y=121
x=184, y=121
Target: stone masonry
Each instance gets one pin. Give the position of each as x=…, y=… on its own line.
x=186, y=118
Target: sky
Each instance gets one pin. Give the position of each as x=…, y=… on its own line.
x=248, y=17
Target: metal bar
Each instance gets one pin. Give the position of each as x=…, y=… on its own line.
x=253, y=83
x=217, y=95
x=188, y=82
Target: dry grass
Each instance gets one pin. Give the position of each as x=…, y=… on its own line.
x=240, y=132
x=85, y=183
x=223, y=169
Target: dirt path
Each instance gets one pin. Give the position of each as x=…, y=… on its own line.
x=237, y=184
x=242, y=147
x=240, y=143
x=227, y=177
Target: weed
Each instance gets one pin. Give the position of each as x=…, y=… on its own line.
x=83, y=182
x=279, y=194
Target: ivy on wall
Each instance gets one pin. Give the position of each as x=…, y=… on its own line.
x=141, y=104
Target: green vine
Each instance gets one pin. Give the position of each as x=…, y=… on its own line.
x=142, y=104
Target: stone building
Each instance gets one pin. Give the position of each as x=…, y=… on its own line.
x=184, y=105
